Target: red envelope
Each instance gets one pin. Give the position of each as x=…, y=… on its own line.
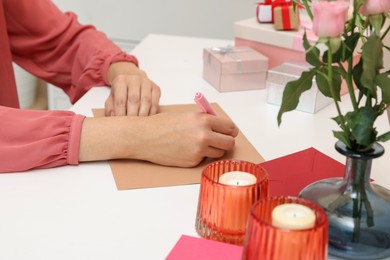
x=193, y=248
x=291, y=173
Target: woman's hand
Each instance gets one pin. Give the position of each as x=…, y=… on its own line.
x=132, y=92
x=171, y=139
x=184, y=139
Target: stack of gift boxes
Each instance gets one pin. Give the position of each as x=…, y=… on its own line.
x=268, y=53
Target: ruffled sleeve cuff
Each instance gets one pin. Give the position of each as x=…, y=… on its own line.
x=74, y=139
x=118, y=57
x=38, y=139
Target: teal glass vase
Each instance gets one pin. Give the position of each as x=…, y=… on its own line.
x=358, y=210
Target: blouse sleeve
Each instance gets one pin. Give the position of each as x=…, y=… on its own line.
x=55, y=47
x=38, y=139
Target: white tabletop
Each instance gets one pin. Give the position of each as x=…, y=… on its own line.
x=76, y=212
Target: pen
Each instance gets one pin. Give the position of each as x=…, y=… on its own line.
x=201, y=100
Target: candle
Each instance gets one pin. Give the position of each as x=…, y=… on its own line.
x=237, y=178
x=234, y=210
x=293, y=216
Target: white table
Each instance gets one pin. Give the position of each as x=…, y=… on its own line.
x=76, y=212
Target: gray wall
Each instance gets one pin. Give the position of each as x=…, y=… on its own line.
x=133, y=20
x=127, y=22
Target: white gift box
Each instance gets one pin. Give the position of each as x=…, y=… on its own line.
x=311, y=101
x=278, y=46
x=264, y=13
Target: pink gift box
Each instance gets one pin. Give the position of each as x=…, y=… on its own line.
x=234, y=68
x=279, y=46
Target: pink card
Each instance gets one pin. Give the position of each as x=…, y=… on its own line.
x=193, y=248
x=291, y=173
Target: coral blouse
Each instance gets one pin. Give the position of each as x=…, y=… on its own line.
x=53, y=46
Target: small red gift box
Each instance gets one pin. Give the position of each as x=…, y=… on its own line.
x=286, y=17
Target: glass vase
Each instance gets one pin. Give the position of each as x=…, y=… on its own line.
x=358, y=210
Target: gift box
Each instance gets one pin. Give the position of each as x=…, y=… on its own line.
x=234, y=68
x=311, y=101
x=279, y=46
x=286, y=17
x=264, y=12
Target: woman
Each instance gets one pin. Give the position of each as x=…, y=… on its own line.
x=55, y=47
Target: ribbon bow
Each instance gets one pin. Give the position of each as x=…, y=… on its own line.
x=273, y=4
x=222, y=50
x=232, y=53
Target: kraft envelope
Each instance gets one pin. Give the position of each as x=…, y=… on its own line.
x=193, y=248
x=134, y=174
x=291, y=173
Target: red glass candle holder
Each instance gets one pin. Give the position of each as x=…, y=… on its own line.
x=223, y=209
x=265, y=241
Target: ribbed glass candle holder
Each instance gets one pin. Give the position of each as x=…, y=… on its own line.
x=263, y=240
x=223, y=209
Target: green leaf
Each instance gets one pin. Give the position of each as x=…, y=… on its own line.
x=350, y=44
x=383, y=81
x=292, y=92
x=383, y=138
x=359, y=3
x=336, y=83
x=312, y=52
x=361, y=123
x=356, y=74
x=337, y=119
x=346, y=49
x=323, y=84
x=372, y=57
x=340, y=135
x=336, y=57
x=376, y=20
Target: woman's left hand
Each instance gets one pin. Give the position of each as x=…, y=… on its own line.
x=132, y=92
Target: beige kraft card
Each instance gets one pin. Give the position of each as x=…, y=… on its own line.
x=134, y=174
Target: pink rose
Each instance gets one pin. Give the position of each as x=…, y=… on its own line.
x=329, y=18
x=375, y=7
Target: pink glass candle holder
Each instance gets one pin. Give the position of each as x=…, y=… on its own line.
x=223, y=208
x=264, y=240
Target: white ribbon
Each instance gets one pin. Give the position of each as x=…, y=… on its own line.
x=231, y=52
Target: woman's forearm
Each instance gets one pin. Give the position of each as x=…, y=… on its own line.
x=174, y=139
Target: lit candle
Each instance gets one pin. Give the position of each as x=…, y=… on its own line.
x=234, y=210
x=237, y=178
x=293, y=216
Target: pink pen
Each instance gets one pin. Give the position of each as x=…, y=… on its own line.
x=201, y=100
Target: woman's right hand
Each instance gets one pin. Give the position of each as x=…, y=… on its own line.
x=171, y=139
